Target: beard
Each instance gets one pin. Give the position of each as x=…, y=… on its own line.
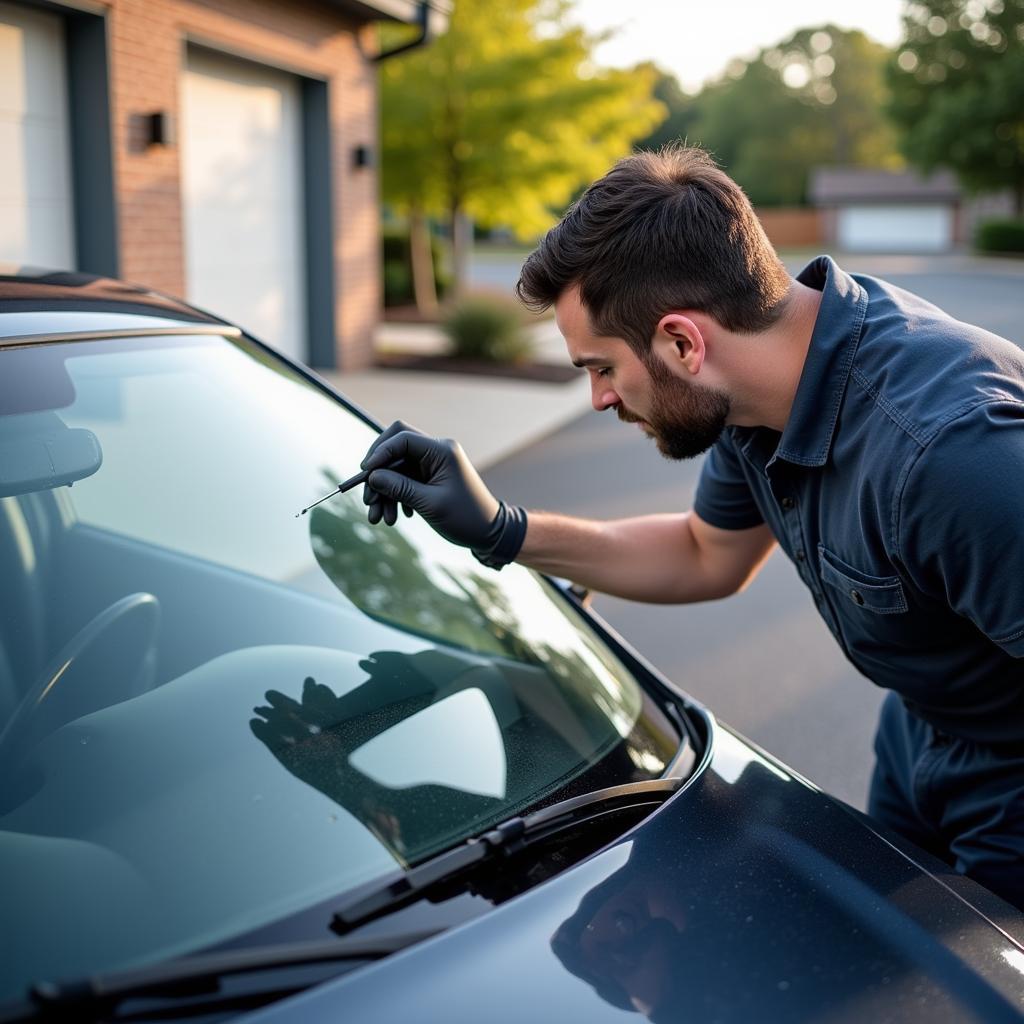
x=685, y=419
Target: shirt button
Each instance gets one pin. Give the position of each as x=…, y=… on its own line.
x=788, y=503
x=800, y=556
x=858, y=597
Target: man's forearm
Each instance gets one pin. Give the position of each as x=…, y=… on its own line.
x=650, y=558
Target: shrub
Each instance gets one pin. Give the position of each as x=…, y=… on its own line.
x=397, y=283
x=488, y=328
x=1002, y=235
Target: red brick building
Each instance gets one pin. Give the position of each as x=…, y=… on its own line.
x=223, y=150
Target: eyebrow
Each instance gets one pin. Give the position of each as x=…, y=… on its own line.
x=590, y=361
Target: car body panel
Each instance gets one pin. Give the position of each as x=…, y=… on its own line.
x=784, y=907
x=45, y=302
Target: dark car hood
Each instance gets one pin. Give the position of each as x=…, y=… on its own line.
x=749, y=896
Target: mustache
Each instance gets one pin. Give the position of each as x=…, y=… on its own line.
x=626, y=416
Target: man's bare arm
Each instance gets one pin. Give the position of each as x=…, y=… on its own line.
x=662, y=559
x=665, y=559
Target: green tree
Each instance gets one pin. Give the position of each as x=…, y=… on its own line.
x=681, y=107
x=816, y=98
x=958, y=90
x=502, y=118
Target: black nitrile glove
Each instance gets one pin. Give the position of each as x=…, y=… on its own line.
x=436, y=479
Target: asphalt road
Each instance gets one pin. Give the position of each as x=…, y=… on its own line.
x=763, y=661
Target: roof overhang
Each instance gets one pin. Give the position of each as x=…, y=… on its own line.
x=841, y=186
x=407, y=11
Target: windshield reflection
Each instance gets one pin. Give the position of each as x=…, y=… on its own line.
x=389, y=577
x=317, y=737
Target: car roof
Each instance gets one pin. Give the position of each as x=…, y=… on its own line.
x=36, y=304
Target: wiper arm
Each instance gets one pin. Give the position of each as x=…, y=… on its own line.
x=199, y=974
x=504, y=840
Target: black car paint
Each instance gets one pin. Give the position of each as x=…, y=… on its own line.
x=792, y=910
x=776, y=901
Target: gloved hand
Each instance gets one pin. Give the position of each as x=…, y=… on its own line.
x=436, y=479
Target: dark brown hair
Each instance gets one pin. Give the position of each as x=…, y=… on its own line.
x=660, y=231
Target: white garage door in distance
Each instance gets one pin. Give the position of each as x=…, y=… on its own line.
x=895, y=228
x=36, y=225
x=241, y=169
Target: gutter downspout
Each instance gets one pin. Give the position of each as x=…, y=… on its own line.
x=423, y=21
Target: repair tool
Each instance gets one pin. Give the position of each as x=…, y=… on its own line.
x=347, y=485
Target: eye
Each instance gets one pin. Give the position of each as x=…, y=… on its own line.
x=605, y=371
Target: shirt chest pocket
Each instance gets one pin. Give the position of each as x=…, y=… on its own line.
x=882, y=595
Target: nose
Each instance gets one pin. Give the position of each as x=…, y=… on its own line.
x=601, y=396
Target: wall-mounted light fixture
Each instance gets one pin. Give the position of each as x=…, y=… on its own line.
x=160, y=129
x=362, y=156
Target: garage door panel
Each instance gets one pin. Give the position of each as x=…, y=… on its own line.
x=36, y=224
x=34, y=233
x=895, y=228
x=242, y=183
x=32, y=44
x=36, y=160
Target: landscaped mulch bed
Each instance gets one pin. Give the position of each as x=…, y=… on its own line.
x=547, y=373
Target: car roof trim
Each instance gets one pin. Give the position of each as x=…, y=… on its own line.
x=54, y=338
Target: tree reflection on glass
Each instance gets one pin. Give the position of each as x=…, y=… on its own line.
x=384, y=575
x=586, y=693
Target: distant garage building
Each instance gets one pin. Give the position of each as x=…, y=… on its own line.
x=218, y=149
x=867, y=210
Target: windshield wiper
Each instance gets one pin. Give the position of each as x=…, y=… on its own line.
x=503, y=841
x=197, y=975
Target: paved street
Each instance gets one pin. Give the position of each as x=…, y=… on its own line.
x=763, y=661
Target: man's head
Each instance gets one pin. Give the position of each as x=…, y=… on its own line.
x=659, y=232
x=662, y=251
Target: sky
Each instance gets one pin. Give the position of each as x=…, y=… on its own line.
x=696, y=39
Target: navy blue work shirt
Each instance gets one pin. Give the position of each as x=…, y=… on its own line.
x=897, y=488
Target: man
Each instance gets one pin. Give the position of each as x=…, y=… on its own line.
x=879, y=442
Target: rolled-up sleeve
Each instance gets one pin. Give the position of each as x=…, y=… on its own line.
x=960, y=516
x=724, y=498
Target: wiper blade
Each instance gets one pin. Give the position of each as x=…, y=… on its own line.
x=504, y=840
x=200, y=974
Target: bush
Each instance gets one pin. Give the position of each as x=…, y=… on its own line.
x=487, y=328
x=398, y=289
x=1003, y=235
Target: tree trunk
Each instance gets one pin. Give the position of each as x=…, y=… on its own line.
x=424, y=286
x=462, y=242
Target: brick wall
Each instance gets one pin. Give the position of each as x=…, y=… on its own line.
x=791, y=227
x=147, y=40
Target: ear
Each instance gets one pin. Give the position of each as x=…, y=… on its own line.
x=681, y=342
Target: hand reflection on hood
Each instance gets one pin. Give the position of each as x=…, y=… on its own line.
x=315, y=737
x=626, y=940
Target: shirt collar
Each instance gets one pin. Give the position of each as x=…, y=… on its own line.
x=807, y=437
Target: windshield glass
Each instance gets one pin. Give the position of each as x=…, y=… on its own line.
x=213, y=713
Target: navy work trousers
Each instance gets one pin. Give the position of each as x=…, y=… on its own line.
x=961, y=801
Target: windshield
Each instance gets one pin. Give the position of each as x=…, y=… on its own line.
x=213, y=713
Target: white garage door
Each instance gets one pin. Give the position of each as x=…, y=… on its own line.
x=894, y=228
x=36, y=225
x=241, y=165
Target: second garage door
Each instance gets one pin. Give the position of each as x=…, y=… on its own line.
x=896, y=228
x=242, y=181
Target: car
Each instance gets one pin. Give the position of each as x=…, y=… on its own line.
x=260, y=765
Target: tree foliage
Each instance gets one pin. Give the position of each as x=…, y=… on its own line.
x=681, y=107
x=816, y=98
x=958, y=90
x=505, y=115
